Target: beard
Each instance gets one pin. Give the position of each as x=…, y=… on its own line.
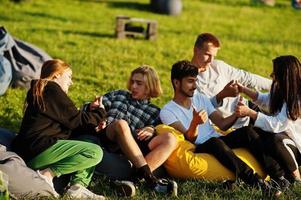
x=188, y=93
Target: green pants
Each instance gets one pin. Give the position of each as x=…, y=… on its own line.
x=70, y=156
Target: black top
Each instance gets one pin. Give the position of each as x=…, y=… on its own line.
x=41, y=129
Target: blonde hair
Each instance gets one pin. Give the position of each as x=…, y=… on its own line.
x=153, y=86
x=49, y=71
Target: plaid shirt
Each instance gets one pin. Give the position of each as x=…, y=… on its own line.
x=138, y=113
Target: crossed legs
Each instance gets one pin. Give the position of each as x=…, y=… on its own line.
x=161, y=146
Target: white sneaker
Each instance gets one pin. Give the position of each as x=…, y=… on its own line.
x=80, y=192
x=124, y=188
x=49, y=182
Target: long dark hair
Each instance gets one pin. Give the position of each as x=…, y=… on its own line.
x=49, y=70
x=286, y=86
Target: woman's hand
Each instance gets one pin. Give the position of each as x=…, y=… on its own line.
x=101, y=125
x=145, y=133
x=241, y=109
x=97, y=103
x=241, y=88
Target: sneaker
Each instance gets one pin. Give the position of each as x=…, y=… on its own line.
x=228, y=185
x=166, y=187
x=124, y=188
x=282, y=183
x=268, y=189
x=78, y=191
x=296, y=182
x=49, y=182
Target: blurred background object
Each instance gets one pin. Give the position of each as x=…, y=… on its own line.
x=169, y=7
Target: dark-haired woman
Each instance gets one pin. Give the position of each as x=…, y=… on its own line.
x=50, y=119
x=284, y=119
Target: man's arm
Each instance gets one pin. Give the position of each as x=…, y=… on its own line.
x=224, y=123
x=246, y=78
x=179, y=126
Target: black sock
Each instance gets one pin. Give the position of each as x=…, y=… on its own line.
x=145, y=172
x=250, y=178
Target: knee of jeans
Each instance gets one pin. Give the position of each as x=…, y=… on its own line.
x=217, y=146
x=250, y=132
x=275, y=140
x=216, y=142
x=96, y=153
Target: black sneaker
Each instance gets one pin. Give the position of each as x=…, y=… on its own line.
x=166, y=187
x=124, y=188
x=282, y=183
x=297, y=180
x=228, y=184
x=268, y=190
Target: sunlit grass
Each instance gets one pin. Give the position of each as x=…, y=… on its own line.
x=81, y=32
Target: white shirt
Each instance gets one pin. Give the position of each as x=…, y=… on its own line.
x=173, y=112
x=217, y=76
x=279, y=122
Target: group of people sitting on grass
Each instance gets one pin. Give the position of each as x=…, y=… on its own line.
x=207, y=94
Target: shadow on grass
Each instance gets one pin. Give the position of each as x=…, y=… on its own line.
x=10, y=123
x=90, y=34
x=264, y=41
x=84, y=33
x=250, y=3
x=124, y=4
x=229, y=2
x=5, y=18
x=45, y=15
x=130, y=5
x=74, y=32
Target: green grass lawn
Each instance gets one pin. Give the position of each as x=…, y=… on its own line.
x=81, y=32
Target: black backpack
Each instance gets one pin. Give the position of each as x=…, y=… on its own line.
x=26, y=60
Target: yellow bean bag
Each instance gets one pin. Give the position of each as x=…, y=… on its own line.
x=184, y=163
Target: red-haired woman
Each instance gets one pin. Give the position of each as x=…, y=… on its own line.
x=50, y=119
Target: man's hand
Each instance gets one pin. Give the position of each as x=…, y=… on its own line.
x=230, y=90
x=145, y=133
x=241, y=88
x=199, y=117
x=97, y=103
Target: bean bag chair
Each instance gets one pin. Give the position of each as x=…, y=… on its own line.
x=184, y=163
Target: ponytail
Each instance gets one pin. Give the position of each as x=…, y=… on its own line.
x=37, y=91
x=48, y=72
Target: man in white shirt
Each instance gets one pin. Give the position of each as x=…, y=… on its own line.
x=189, y=111
x=216, y=78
